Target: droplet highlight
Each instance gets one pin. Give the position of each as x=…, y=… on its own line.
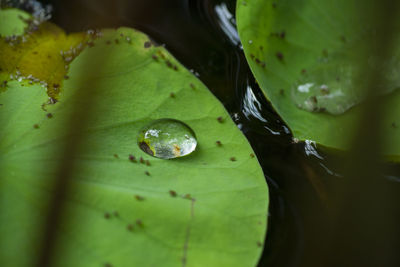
x=167, y=139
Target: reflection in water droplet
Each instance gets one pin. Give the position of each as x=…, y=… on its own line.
x=167, y=138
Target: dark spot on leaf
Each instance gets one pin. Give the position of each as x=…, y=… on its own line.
x=172, y=95
x=107, y=215
x=274, y=5
x=142, y=160
x=154, y=57
x=394, y=125
x=252, y=155
x=282, y=35
x=343, y=39
x=279, y=55
x=49, y=115
x=139, y=223
x=261, y=47
x=116, y=156
x=36, y=126
x=218, y=143
x=116, y=41
x=282, y=92
x=252, y=56
x=66, y=77
x=172, y=193
x=148, y=162
x=108, y=42
x=187, y=196
x=132, y=158
x=192, y=86
x=139, y=198
x=90, y=44
x=169, y=64
x=145, y=147
x=314, y=99
x=220, y=119
x=303, y=71
x=108, y=265
x=129, y=227
x=147, y=173
x=4, y=84
x=259, y=244
x=147, y=44
x=115, y=213
x=232, y=159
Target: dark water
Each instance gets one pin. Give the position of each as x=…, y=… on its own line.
x=303, y=181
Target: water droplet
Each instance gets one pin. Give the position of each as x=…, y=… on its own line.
x=167, y=138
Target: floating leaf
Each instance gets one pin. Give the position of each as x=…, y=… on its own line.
x=307, y=58
x=125, y=207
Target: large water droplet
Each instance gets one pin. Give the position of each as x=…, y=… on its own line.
x=167, y=138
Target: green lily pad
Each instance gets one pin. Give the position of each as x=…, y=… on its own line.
x=125, y=207
x=307, y=58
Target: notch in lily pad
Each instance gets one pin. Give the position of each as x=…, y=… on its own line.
x=167, y=139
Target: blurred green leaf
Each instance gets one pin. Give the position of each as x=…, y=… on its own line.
x=206, y=209
x=308, y=58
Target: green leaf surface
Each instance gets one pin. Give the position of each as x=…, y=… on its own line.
x=306, y=57
x=205, y=209
x=13, y=22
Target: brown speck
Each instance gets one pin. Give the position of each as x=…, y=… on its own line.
x=261, y=47
x=263, y=64
x=282, y=35
x=35, y=52
x=147, y=173
x=4, y=84
x=252, y=155
x=175, y=67
x=132, y=158
x=259, y=244
x=343, y=39
x=252, y=56
x=129, y=227
x=139, y=198
x=172, y=95
x=90, y=44
x=108, y=42
x=220, y=119
x=115, y=213
x=279, y=55
x=121, y=34
x=154, y=57
x=147, y=44
x=36, y=126
x=303, y=71
x=116, y=41
x=49, y=115
x=66, y=77
x=282, y=92
x=394, y=125
x=258, y=61
x=106, y=215
x=116, y=156
x=274, y=5
x=148, y=162
x=325, y=52
x=232, y=159
x=172, y=193
x=139, y=223
x=192, y=86
x=187, y=196
x=218, y=143
x=108, y=265
x=169, y=64
x=56, y=85
x=142, y=160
